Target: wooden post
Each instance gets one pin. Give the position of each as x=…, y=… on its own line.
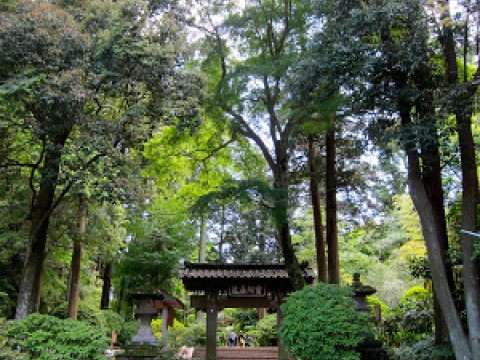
x=164, y=325
x=282, y=350
x=212, y=310
x=261, y=313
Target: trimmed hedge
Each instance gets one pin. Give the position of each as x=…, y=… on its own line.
x=45, y=337
x=320, y=322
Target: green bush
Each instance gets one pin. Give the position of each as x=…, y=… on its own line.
x=128, y=330
x=425, y=350
x=113, y=321
x=86, y=312
x=245, y=317
x=265, y=333
x=320, y=322
x=45, y=337
x=106, y=320
x=6, y=351
x=175, y=332
x=194, y=335
x=412, y=320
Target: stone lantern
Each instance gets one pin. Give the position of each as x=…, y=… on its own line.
x=145, y=312
x=370, y=348
x=144, y=345
x=360, y=293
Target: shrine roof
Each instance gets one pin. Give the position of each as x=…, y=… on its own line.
x=158, y=295
x=197, y=276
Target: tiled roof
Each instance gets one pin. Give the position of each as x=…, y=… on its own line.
x=240, y=272
x=159, y=295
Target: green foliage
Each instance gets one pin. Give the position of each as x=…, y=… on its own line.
x=320, y=322
x=152, y=259
x=245, y=317
x=107, y=320
x=76, y=106
x=425, y=350
x=412, y=320
x=45, y=337
x=379, y=252
x=374, y=302
x=128, y=330
x=6, y=350
x=174, y=332
x=245, y=209
x=166, y=354
x=114, y=322
x=194, y=335
x=265, y=332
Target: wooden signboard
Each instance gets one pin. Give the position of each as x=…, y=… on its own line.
x=247, y=290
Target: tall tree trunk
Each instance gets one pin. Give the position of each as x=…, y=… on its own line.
x=30, y=284
x=202, y=251
x=463, y=107
x=432, y=231
x=222, y=237
x=38, y=300
x=317, y=213
x=121, y=295
x=107, y=284
x=75, y=267
x=32, y=272
x=282, y=218
x=291, y=262
x=432, y=181
x=471, y=269
x=331, y=206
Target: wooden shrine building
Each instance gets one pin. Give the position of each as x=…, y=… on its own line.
x=218, y=286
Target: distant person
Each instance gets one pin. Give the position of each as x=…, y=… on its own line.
x=241, y=339
x=248, y=340
x=232, y=339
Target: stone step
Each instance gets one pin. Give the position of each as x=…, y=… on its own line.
x=260, y=353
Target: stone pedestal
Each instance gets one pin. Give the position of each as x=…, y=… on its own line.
x=140, y=352
x=146, y=311
x=144, y=345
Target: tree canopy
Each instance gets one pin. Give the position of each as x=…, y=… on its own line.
x=137, y=135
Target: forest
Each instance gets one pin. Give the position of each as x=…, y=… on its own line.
x=139, y=135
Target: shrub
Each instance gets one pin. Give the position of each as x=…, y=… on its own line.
x=113, y=321
x=245, y=317
x=128, y=330
x=412, y=320
x=320, y=322
x=86, y=312
x=195, y=335
x=45, y=337
x=106, y=320
x=265, y=333
x=6, y=351
x=175, y=332
x=425, y=350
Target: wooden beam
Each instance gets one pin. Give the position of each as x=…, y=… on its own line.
x=200, y=302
